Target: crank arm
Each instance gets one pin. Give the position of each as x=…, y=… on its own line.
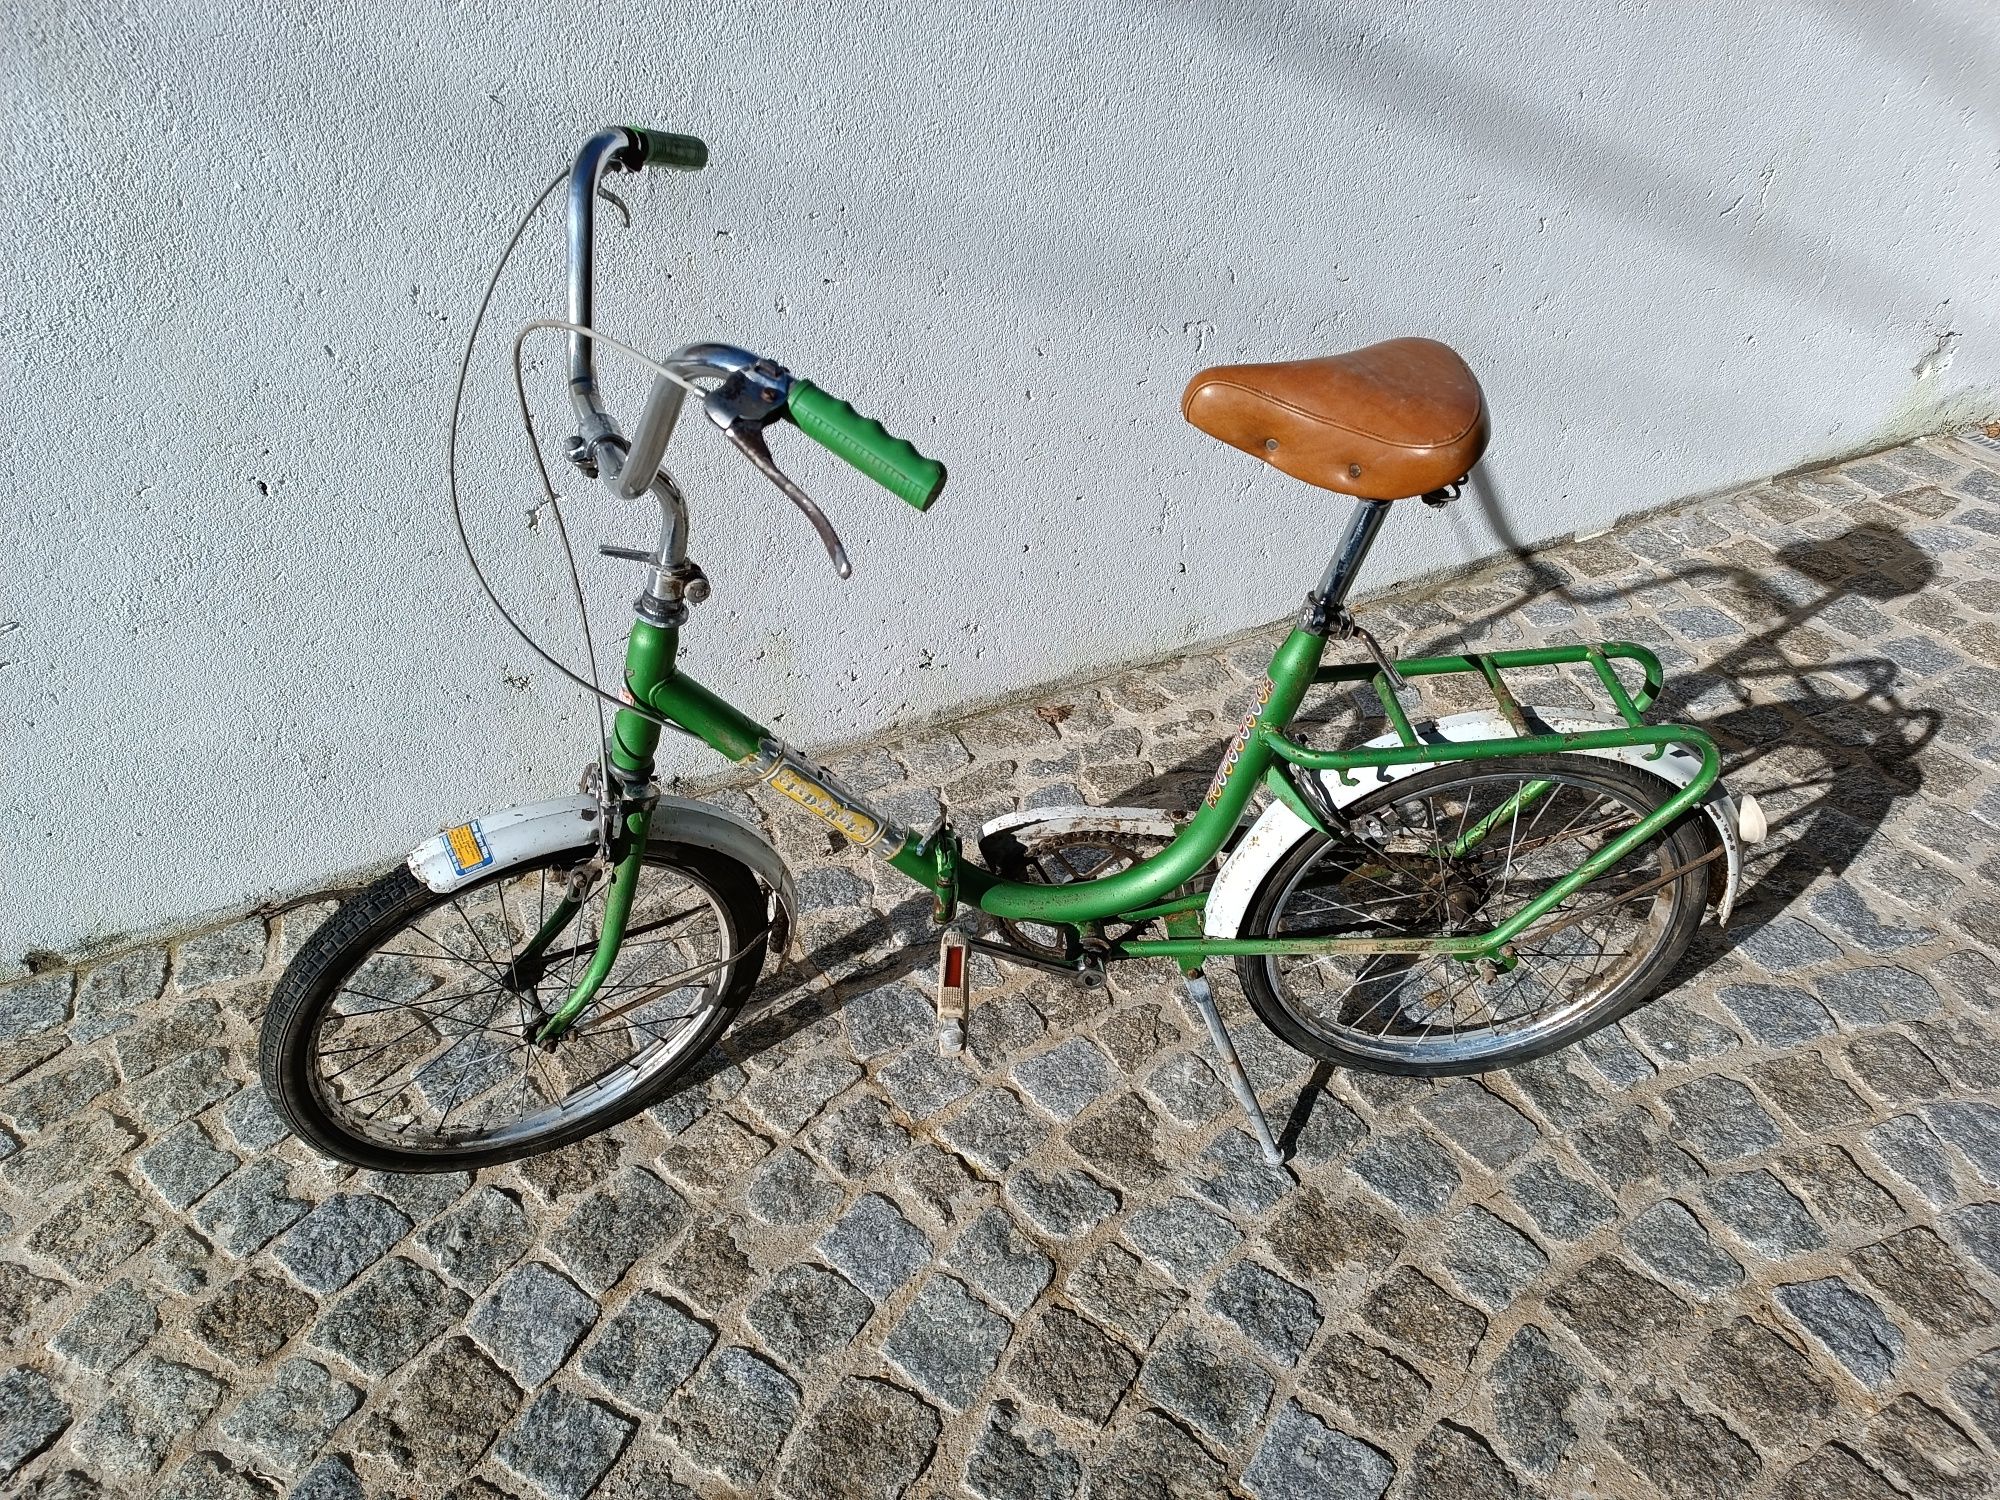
x=1018, y=956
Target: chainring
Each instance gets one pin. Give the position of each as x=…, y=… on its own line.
x=1060, y=859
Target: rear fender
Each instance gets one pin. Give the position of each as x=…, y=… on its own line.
x=1278, y=830
x=472, y=851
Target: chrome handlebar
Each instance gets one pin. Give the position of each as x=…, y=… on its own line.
x=752, y=393
x=600, y=154
x=598, y=431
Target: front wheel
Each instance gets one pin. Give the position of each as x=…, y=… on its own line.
x=402, y=1036
x=1459, y=849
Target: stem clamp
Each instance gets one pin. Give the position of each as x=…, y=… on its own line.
x=1335, y=620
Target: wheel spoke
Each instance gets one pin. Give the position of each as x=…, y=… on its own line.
x=423, y=1047
x=477, y=937
x=447, y=951
x=1424, y=1006
x=427, y=1023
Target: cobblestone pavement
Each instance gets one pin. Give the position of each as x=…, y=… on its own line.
x=1746, y=1244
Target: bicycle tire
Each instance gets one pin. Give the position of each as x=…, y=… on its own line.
x=1676, y=909
x=368, y=920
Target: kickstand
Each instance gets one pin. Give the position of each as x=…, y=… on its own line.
x=1203, y=1000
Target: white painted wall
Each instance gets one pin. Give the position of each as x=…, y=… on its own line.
x=1683, y=246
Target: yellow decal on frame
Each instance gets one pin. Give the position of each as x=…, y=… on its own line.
x=791, y=782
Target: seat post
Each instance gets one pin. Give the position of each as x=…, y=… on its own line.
x=1324, y=604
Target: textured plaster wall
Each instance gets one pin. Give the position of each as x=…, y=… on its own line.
x=1682, y=247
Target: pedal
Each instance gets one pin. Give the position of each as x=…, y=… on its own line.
x=954, y=993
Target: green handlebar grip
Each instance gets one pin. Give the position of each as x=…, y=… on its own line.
x=864, y=442
x=662, y=148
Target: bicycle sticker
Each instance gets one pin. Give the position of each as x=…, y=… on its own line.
x=812, y=791
x=468, y=848
x=1243, y=732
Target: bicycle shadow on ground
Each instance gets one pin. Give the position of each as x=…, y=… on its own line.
x=813, y=983
x=1827, y=742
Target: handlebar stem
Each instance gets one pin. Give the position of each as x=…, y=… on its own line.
x=666, y=580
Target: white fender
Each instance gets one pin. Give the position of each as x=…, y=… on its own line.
x=471, y=851
x=1279, y=829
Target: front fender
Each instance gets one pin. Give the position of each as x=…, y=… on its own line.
x=472, y=851
x=1279, y=829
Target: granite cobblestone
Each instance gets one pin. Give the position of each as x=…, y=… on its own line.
x=1745, y=1243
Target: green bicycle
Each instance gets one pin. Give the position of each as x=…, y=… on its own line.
x=1452, y=896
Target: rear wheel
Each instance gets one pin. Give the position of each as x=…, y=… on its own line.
x=402, y=1037
x=1588, y=960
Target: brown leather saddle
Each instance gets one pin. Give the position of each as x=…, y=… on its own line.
x=1393, y=420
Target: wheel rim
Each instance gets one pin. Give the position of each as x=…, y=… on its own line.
x=1406, y=1008
x=424, y=1049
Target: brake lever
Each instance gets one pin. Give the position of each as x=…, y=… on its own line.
x=749, y=441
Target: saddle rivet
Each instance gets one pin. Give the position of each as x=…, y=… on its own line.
x=1270, y=445
x=1354, y=471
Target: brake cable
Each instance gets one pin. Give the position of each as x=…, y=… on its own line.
x=592, y=684
x=750, y=447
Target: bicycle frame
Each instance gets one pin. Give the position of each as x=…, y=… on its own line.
x=1261, y=753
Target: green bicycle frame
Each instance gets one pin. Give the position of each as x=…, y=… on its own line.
x=1259, y=754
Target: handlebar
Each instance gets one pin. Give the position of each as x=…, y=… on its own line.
x=892, y=462
x=620, y=148
x=754, y=392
